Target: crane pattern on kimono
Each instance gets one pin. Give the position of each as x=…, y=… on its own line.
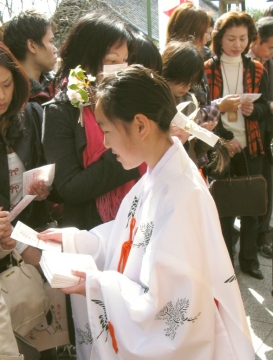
x=103, y=319
x=231, y=279
x=147, y=230
x=174, y=316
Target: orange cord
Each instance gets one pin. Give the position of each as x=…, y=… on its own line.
x=126, y=248
x=112, y=334
x=202, y=174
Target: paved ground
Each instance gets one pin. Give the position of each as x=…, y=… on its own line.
x=258, y=302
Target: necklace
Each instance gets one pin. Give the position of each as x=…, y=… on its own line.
x=232, y=115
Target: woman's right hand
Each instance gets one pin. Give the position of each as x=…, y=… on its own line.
x=80, y=288
x=229, y=103
x=51, y=234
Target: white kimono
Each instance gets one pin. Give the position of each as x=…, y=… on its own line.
x=178, y=297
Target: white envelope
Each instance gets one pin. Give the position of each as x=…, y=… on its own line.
x=249, y=97
x=26, y=235
x=57, y=267
x=45, y=173
x=20, y=206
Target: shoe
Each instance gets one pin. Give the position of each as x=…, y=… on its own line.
x=256, y=273
x=266, y=250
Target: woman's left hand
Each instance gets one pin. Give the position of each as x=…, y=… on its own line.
x=247, y=108
x=6, y=242
x=80, y=287
x=180, y=133
x=40, y=189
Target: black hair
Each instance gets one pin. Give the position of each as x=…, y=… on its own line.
x=29, y=24
x=228, y=20
x=88, y=43
x=137, y=90
x=146, y=53
x=265, y=28
x=21, y=86
x=182, y=63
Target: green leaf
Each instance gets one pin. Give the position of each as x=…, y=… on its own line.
x=73, y=87
x=84, y=95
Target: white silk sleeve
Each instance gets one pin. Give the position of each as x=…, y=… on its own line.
x=93, y=242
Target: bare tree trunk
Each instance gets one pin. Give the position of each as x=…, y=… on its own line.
x=9, y=7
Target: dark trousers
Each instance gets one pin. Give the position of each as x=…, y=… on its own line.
x=249, y=224
x=264, y=220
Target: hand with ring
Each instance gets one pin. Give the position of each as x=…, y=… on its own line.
x=40, y=189
x=233, y=147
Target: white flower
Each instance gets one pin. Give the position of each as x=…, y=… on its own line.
x=91, y=78
x=73, y=94
x=72, y=80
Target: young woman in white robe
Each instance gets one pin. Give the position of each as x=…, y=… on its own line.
x=164, y=287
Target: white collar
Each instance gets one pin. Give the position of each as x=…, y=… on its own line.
x=230, y=59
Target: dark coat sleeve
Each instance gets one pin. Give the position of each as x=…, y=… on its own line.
x=34, y=117
x=261, y=109
x=64, y=141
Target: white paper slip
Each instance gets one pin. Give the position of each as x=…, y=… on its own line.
x=45, y=173
x=57, y=267
x=26, y=235
x=249, y=97
x=20, y=206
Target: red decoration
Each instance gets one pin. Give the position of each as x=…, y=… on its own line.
x=169, y=12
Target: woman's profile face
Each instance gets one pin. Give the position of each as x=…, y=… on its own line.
x=235, y=40
x=179, y=89
x=207, y=36
x=6, y=89
x=121, y=141
x=117, y=54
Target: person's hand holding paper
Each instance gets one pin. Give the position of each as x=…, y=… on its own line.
x=67, y=271
x=6, y=242
x=80, y=288
x=246, y=104
x=37, y=181
x=51, y=234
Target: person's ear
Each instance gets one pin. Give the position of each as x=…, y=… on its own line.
x=32, y=46
x=142, y=125
x=256, y=42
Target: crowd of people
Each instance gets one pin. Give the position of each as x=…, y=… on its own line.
x=131, y=183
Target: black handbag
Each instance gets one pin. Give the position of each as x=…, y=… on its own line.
x=240, y=195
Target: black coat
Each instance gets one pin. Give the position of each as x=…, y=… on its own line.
x=64, y=141
x=27, y=145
